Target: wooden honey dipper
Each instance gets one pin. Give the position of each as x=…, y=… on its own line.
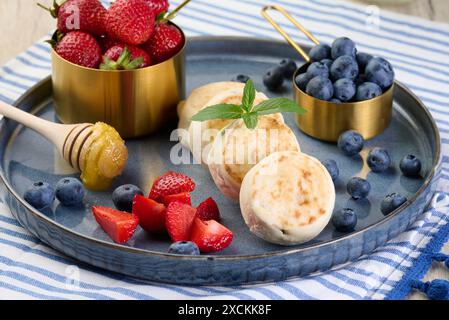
x=73, y=142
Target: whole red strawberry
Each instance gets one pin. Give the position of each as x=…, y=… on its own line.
x=166, y=42
x=80, y=48
x=171, y=183
x=123, y=57
x=79, y=15
x=158, y=6
x=130, y=21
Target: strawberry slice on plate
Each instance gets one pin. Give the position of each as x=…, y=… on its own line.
x=179, y=221
x=180, y=197
x=119, y=225
x=208, y=210
x=151, y=214
x=171, y=183
x=210, y=236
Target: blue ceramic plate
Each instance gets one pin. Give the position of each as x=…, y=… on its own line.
x=26, y=157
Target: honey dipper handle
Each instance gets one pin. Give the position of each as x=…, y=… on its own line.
x=53, y=132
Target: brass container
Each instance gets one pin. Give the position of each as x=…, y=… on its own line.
x=325, y=120
x=135, y=102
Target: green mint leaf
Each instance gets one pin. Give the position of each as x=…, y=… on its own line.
x=277, y=105
x=249, y=95
x=219, y=111
x=250, y=120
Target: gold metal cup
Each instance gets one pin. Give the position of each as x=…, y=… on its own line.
x=135, y=102
x=325, y=120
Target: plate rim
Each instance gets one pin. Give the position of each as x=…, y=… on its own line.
x=278, y=253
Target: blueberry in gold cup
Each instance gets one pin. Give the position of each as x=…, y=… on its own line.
x=325, y=120
x=135, y=102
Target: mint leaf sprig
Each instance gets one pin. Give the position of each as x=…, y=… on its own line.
x=247, y=111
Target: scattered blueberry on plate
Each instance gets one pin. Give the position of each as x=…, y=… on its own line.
x=40, y=195
x=320, y=52
x=391, y=203
x=288, y=67
x=332, y=168
x=344, y=220
x=184, y=248
x=320, y=87
x=241, y=78
x=379, y=160
x=358, y=188
x=410, y=166
x=124, y=195
x=351, y=143
x=273, y=78
x=70, y=192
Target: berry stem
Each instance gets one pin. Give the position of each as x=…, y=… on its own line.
x=167, y=17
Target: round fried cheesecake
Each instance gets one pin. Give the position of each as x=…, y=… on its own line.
x=287, y=198
x=236, y=149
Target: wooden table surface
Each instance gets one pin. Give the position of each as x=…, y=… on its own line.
x=20, y=36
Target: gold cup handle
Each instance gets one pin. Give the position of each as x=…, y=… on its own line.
x=289, y=39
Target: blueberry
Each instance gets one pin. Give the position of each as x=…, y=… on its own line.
x=70, y=192
x=379, y=160
x=410, y=166
x=351, y=143
x=343, y=46
x=367, y=91
x=332, y=168
x=327, y=63
x=344, y=89
x=124, y=195
x=380, y=72
x=184, y=248
x=302, y=80
x=344, y=220
x=358, y=188
x=273, y=78
x=362, y=60
x=320, y=52
x=334, y=100
x=391, y=203
x=318, y=69
x=41, y=195
x=241, y=78
x=344, y=67
x=288, y=68
x=320, y=88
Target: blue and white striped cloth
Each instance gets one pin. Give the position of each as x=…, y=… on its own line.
x=419, y=51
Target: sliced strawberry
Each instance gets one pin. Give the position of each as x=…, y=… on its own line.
x=180, y=197
x=210, y=236
x=119, y=225
x=179, y=221
x=171, y=183
x=151, y=214
x=208, y=210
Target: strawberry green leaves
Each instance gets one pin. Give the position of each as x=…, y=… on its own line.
x=247, y=111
